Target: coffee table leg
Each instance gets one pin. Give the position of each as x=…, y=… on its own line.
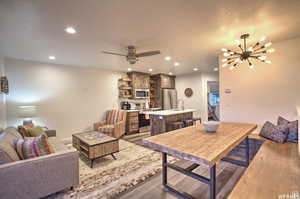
x=212, y=183
x=92, y=163
x=114, y=157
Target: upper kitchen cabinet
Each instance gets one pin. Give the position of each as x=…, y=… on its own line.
x=167, y=81
x=139, y=80
x=159, y=82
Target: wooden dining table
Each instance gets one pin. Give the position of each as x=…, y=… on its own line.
x=202, y=148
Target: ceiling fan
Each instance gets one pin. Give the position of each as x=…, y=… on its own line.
x=132, y=56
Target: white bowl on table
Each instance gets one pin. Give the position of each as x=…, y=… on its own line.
x=211, y=126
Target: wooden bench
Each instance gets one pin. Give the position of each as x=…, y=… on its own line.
x=274, y=172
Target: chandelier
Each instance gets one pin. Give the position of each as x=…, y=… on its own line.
x=256, y=52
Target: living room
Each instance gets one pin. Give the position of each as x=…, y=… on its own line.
x=132, y=72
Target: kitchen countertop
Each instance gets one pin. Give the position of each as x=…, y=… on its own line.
x=132, y=110
x=168, y=112
x=142, y=111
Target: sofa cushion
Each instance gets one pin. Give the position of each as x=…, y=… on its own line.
x=35, y=131
x=13, y=131
x=56, y=144
x=7, y=151
x=292, y=126
x=33, y=147
x=276, y=133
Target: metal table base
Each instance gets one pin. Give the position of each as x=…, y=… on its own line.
x=211, y=181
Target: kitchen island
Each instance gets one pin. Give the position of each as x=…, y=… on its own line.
x=159, y=120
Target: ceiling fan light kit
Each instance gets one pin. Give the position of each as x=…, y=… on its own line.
x=132, y=57
x=256, y=52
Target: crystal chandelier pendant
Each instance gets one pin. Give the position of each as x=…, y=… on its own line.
x=247, y=53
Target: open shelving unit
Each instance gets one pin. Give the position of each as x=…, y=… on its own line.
x=125, y=88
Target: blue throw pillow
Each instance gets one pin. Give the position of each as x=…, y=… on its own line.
x=276, y=133
x=292, y=127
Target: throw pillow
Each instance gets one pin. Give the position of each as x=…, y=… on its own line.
x=293, y=128
x=23, y=132
x=7, y=151
x=35, y=131
x=33, y=147
x=275, y=133
x=13, y=131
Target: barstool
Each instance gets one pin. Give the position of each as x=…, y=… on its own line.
x=189, y=122
x=195, y=119
x=175, y=125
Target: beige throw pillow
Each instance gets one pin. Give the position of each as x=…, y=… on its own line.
x=7, y=152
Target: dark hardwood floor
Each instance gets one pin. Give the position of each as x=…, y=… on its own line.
x=227, y=177
x=137, y=138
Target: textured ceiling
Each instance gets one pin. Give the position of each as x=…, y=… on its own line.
x=190, y=31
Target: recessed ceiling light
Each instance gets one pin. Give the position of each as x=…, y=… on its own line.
x=51, y=57
x=195, y=69
x=129, y=69
x=170, y=73
x=176, y=64
x=150, y=69
x=216, y=69
x=168, y=58
x=70, y=30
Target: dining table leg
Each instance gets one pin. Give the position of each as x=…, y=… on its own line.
x=247, y=151
x=164, y=169
x=212, y=183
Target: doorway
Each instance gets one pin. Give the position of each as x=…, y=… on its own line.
x=213, y=101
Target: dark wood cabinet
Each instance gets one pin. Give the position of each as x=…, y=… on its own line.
x=140, y=80
x=132, y=122
x=167, y=81
x=155, y=84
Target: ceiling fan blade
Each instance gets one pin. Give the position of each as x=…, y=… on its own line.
x=149, y=53
x=106, y=52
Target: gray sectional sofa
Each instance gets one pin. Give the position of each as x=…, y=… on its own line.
x=37, y=177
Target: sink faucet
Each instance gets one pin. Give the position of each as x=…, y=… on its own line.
x=180, y=104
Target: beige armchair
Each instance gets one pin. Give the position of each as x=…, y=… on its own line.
x=114, y=124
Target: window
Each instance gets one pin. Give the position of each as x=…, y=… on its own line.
x=214, y=99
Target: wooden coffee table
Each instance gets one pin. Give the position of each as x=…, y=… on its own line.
x=93, y=145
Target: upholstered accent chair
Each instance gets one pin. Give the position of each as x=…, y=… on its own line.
x=114, y=124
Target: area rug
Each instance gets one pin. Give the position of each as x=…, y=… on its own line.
x=111, y=177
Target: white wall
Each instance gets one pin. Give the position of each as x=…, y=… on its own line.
x=68, y=99
x=2, y=98
x=198, y=83
x=265, y=92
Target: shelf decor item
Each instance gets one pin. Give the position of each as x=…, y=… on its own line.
x=4, y=85
x=125, y=87
x=247, y=53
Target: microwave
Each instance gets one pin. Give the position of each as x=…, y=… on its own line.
x=141, y=93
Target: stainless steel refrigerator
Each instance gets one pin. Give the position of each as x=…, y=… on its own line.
x=169, y=99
